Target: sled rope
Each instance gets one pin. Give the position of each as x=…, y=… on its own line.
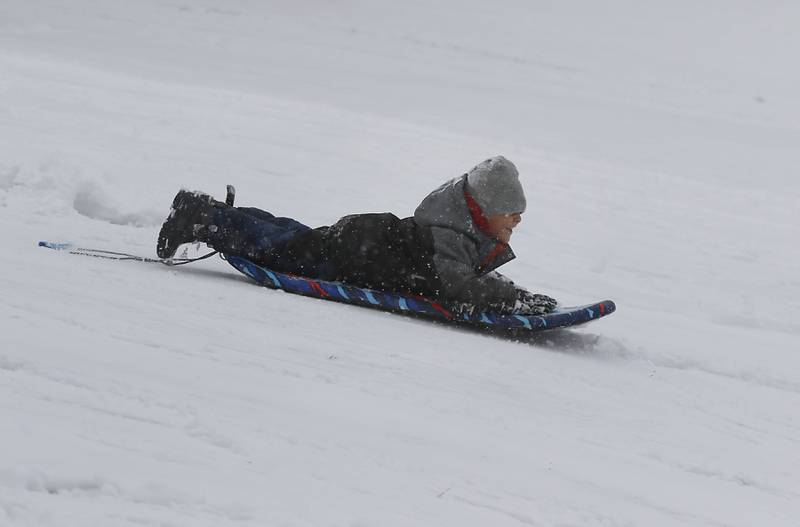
x=112, y=255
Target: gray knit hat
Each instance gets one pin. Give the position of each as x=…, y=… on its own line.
x=495, y=186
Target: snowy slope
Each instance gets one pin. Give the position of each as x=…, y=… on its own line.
x=659, y=149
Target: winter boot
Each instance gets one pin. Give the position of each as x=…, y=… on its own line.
x=189, y=219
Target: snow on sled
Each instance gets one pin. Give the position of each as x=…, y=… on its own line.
x=417, y=305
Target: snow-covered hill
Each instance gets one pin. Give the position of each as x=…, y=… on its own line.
x=659, y=149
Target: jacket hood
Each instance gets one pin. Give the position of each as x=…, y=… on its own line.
x=446, y=207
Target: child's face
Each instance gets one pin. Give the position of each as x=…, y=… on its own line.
x=501, y=226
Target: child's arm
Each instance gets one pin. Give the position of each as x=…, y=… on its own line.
x=460, y=283
x=489, y=292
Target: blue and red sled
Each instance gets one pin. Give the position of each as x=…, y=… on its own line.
x=348, y=294
x=417, y=305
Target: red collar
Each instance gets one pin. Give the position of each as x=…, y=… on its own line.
x=476, y=212
x=483, y=224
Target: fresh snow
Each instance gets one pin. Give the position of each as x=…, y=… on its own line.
x=658, y=143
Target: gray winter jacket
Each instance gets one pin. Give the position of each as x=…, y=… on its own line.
x=464, y=256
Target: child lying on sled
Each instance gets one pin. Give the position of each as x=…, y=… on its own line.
x=447, y=251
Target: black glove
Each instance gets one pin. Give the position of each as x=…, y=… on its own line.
x=533, y=304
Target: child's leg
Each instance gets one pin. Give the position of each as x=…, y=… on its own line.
x=252, y=233
x=288, y=223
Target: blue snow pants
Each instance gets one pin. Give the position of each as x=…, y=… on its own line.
x=260, y=236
